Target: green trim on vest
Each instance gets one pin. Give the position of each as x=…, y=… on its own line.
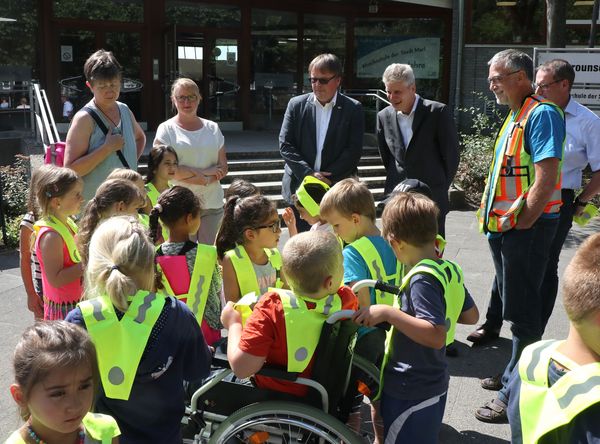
x=120, y=344
x=303, y=326
x=245, y=306
x=152, y=193
x=372, y=258
x=64, y=231
x=305, y=199
x=197, y=295
x=244, y=270
x=542, y=408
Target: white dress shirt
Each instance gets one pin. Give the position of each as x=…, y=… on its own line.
x=582, y=145
x=322, y=118
x=405, y=122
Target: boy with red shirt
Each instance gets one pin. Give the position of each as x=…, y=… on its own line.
x=313, y=266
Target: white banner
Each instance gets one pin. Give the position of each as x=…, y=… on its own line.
x=585, y=64
x=586, y=96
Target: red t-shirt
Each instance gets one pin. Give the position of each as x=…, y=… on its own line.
x=265, y=335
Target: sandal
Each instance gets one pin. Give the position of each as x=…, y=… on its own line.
x=493, y=411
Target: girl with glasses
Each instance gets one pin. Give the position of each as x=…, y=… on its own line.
x=247, y=247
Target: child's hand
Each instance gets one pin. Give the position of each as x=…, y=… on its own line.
x=372, y=315
x=288, y=217
x=230, y=316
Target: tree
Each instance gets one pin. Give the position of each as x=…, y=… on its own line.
x=556, y=16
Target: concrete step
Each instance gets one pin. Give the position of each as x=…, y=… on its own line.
x=260, y=175
x=273, y=185
x=281, y=204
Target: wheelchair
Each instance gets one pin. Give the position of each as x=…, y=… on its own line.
x=225, y=411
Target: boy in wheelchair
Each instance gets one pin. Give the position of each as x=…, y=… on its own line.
x=285, y=326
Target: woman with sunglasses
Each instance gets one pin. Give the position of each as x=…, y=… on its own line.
x=200, y=148
x=247, y=247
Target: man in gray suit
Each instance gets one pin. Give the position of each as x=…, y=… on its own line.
x=417, y=138
x=322, y=132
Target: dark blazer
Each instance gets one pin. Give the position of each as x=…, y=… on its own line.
x=342, y=148
x=432, y=154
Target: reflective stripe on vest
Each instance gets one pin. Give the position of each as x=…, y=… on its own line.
x=120, y=344
x=450, y=276
x=372, y=258
x=305, y=199
x=202, y=273
x=67, y=233
x=303, y=326
x=542, y=408
x=512, y=173
x=244, y=271
x=245, y=305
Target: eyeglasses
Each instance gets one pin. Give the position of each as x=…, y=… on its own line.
x=106, y=86
x=275, y=226
x=500, y=78
x=545, y=86
x=321, y=80
x=190, y=98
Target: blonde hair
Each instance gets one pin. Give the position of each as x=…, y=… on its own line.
x=309, y=258
x=410, y=217
x=52, y=181
x=348, y=197
x=125, y=174
x=183, y=82
x=581, y=281
x=119, y=251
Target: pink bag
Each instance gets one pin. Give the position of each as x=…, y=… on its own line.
x=54, y=154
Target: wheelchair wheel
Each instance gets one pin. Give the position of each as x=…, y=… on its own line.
x=279, y=422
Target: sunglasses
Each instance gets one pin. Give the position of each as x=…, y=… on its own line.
x=321, y=80
x=275, y=226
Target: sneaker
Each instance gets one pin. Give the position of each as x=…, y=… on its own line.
x=483, y=335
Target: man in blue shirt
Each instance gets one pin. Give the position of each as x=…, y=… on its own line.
x=519, y=210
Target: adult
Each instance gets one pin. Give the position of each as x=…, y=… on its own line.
x=200, y=146
x=554, y=80
x=104, y=134
x=67, y=111
x=417, y=139
x=23, y=104
x=322, y=132
x=520, y=205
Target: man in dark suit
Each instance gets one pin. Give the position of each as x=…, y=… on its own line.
x=322, y=132
x=417, y=138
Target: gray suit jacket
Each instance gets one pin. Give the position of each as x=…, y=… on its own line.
x=432, y=154
x=342, y=148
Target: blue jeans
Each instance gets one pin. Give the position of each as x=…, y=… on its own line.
x=520, y=259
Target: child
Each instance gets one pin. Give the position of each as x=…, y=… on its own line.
x=59, y=197
x=138, y=180
x=415, y=373
x=29, y=263
x=146, y=344
x=190, y=270
x=307, y=200
x=55, y=380
x=247, y=247
x=554, y=390
x=241, y=188
x=313, y=265
x=349, y=207
x=113, y=197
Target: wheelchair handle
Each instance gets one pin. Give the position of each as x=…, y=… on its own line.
x=378, y=285
x=339, y=315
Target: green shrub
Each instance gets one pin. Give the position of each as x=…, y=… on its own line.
x=15, y=189
x=13, y=229
x=477, y=148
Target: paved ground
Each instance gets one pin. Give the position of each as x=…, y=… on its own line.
x=465, y=245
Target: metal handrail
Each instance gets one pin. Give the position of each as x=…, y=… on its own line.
x=377, y=93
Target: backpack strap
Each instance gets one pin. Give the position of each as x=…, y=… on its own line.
x=104, y=129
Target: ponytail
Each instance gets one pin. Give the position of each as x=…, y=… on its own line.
x=154, y=225
x=227, y=236
x=87, y=225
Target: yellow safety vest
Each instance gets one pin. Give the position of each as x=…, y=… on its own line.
x=152, y=193
x=450, y=275
x=197, y=295
x=120, y=343
x=245, y=306
x=305, y=199
x=100, y=428
x=512, y=173
x=372, y=258
x=245, y=273
x=544, y=408
x=303, y=326
x=65, y=232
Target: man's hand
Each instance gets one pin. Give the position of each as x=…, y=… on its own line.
x=230, y=316
x=323, y=176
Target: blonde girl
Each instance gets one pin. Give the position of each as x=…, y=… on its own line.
x=113, y=197
x=146, y=344
x=59, y=197
x=247, y=246
x=55, y=380
x=190, y=270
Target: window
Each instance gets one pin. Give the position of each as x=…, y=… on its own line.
x=115, y=10
x=190, y=13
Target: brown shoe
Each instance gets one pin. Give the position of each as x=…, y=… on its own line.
x=483, y=335
x=493, y=411
x=492, y=383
